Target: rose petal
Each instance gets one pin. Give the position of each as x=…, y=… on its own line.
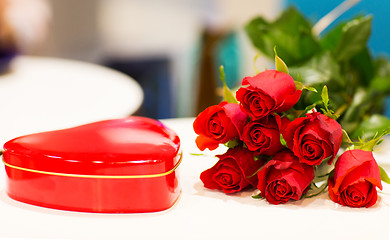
x=269, y=91
x=284, y=168
x=372, y=197
x=358, y=194
x=311, y=148
x=290, y=101
x=353, y=165
x=200, y=124
x=355, y=179
x=207, y=178
x=255, y=102
x=219, y=124
x=263, y=177
x=299, y=180
x=245, y=162
x=229, y=178
x=225, y=175
x=333, y=196
x=262, y=136
x=275, y=84
x=237, y=117
x=279, y=191
x=203, y=142
x=292, y=131
x=324, y=130
x=335, y=133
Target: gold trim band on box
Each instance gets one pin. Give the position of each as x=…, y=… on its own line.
x=97, y=176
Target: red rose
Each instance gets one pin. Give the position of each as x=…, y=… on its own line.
x=219, y=124
x=231, y=173
x=269, y=91
x=314, y=138
x=263, y=135
x=284, y=178
x=356, y=176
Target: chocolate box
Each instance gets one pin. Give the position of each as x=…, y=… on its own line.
x=114, y=166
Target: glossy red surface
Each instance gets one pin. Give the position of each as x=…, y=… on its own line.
x=122, y=147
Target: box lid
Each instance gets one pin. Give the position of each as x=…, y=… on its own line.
x=128, y=146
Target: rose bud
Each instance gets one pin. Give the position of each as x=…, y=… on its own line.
x=269, y=91
x=314, y=138
x=263, y=135
x=234, y=171
x=356, y=176
x=219, y=124
x=284, y=178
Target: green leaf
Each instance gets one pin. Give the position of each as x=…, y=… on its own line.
x=348, y=39
x=197, y=154
x=257, y=196
x=279, y=64
x=382, y=67
x=330, y=40
x=381, y=85
x=325, y=100
x=307, y=109
x=325, y=97
x=264, y=157
x=381, y=81
x=312, y=89
x=321, y=69
x=291, y=33
x=369, y=144
x=346, y=137
x=384, y=177
x=370, y=126
x=232, y=143
x=356, y=110
x=300, y=86
x=254, y=174
x=256, y=30
x=363, y=66
x=283, y=141
x=254, y=63
x=227, y=93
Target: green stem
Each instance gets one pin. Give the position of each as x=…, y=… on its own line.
x=321, y=176
x=323, y=186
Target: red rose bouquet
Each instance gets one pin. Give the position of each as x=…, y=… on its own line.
x=282, y=150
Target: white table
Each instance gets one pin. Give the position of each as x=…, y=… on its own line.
x=201, y=213
x=40, y=94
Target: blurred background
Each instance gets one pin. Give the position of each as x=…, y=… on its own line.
x=172, y=48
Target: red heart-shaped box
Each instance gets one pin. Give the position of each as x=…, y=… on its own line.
x=114, y=166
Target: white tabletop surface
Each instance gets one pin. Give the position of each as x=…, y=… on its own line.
x=40, y=94
x=201, y=214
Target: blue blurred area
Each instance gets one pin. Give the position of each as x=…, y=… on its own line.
x=228, y=55
x=380, y=35
x=153, y=74
x=378, y=42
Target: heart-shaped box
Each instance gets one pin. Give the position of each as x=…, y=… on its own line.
x=114, y=166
